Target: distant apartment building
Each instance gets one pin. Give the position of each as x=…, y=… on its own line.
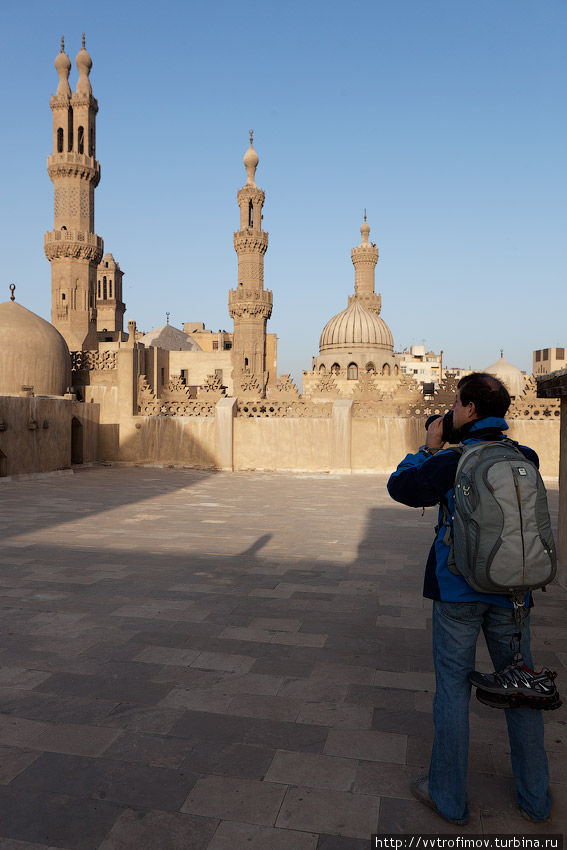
x=546, y=360
x=424, y=366
x=456, y=372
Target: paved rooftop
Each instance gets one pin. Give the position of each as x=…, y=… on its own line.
x=200, y=660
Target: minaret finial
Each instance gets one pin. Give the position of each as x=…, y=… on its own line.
x=251, y=137
x=502, y=354
x=12, y=290
x=84, y=41
x=62, y=44
x=167, y=315
x=364, y=213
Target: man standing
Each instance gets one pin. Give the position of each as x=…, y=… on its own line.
x=459, y=613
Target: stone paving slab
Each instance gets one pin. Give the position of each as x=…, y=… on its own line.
x=203, y=661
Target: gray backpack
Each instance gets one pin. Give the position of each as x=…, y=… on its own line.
x=501, y=540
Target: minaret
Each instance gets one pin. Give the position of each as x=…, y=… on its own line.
x=364, y=259
x=110, y=306
x=72, y=247
x=250, y=305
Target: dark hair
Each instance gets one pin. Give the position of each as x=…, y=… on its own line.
x=489, y=395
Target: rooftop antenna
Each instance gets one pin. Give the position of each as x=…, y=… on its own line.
x=12, y=290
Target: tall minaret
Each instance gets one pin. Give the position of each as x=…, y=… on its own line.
x=250, y=305
x=364, y=259
x=72, y=247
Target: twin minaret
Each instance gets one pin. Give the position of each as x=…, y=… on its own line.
x=250, y=305
x=72, y=247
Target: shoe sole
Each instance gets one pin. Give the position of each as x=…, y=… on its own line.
x=515, y=700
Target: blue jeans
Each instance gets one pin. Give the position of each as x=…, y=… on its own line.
x=456, y=626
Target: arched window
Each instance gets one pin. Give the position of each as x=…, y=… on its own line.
x=370, y=367
x=91, y=141
x=335, y=369
x=60, y=140
x=70, y=130
x=81, y=140
x=396, y=370
x=322, y=368
x=110, y=288
x=386, y=369
x=250, y=214
x=99, y=289
x=104, y=288
x=352, y=372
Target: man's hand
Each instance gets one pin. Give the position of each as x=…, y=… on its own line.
x=434, y=439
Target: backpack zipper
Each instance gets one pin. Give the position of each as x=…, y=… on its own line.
x=518, y=497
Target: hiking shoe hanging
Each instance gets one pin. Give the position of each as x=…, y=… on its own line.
x=517, y=686
x=519, y=701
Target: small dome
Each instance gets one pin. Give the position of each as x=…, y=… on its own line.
x=356, y=327
x=509, y=374
x=170, y=338
x=32, y=353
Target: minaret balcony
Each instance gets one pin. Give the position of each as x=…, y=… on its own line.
x=365, y=254
x=73, y=244
x=73, y=165
x=250, y=303
x=250, y=241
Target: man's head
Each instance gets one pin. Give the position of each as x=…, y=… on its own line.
x=479, y=395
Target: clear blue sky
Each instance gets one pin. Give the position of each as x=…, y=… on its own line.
x=446, y=119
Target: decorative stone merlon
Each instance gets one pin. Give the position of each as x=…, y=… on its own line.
x=76, y=244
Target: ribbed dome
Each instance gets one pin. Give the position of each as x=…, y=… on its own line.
x=509, y=374
x=32, y=353
x=356, y=327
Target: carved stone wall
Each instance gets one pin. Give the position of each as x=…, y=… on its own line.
x=290, y=409
x=90, y=361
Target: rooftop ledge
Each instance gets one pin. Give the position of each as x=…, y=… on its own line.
x=553, y=385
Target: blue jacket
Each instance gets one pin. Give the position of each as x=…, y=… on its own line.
x=421, y=481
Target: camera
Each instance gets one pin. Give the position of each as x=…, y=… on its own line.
x=450, y=434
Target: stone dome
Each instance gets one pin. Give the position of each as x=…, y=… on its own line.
x=170, y=338
x=510, y=376
x=356, y=327
x=32, y=353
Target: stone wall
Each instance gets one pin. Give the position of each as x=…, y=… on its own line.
x=235, y=435
x=36, y=433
